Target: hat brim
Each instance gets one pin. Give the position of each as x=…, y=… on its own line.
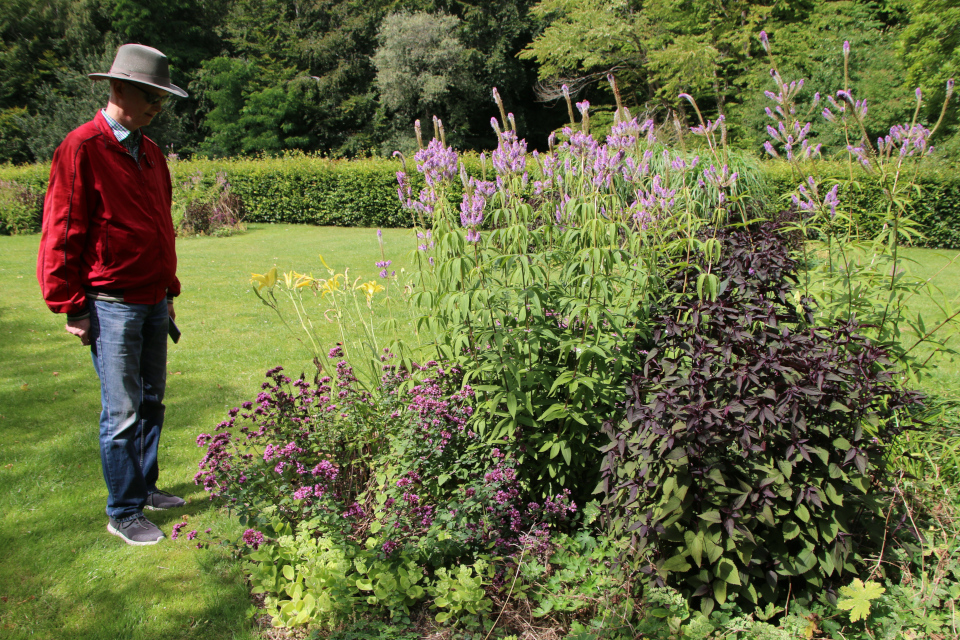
x=169, y=88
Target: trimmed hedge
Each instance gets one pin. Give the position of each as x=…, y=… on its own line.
x=309, y=190
x=363, y=193
x=937, y=208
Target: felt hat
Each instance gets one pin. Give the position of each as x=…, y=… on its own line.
x=143, y=65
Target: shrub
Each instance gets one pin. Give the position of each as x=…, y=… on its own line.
x=20, y=209
x=749, y=465
x=200, y=208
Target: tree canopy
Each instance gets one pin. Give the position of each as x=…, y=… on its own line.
x=347, y=78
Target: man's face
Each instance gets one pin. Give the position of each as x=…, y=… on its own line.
x=137, y=105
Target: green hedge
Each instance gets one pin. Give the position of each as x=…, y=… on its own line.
x=300, y=189
x=937, y=208
x=310, y=190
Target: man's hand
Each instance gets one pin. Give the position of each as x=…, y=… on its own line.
x=171, y=312
x=81, y=329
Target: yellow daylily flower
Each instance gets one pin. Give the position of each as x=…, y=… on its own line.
x=369, y=289
x=331, y=285
x=303, y=280
x=264, y=280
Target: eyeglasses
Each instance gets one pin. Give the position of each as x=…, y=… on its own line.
x=151, y=98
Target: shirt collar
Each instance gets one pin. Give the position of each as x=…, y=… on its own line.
x=129, y=139
x=120, y=131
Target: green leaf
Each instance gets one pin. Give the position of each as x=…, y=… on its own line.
x=364, y=585
x=711, y=516
x=694, y=546
x=727, y=571
x=676, y=563
x=802, y=513
x=720, y=591
x=288, y=572
x=790, y=529
x=857, y=598
x=832, y=494
x=717, y=477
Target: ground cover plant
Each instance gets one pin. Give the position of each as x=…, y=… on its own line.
x=743, y=365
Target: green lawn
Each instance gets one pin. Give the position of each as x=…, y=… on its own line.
x=61, y=574
x=942, y=268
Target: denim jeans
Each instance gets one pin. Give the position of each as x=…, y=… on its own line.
x=129, y=348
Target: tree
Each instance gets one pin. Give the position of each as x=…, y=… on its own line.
x=930, y=48
x=422, y=67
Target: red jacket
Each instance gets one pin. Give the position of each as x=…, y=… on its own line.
x=106, y=223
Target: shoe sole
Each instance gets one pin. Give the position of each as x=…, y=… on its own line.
x=152, y=508
x=133, y=542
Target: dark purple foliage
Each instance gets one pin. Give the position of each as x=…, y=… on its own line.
x=751, y=453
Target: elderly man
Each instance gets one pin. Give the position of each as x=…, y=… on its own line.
x=108, y=261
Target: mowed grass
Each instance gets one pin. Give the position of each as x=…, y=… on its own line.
x=941, y=268
x=62, y=575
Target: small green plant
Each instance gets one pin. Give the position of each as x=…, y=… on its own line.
x=857, y=598
x=392, y=584
x=459, y=594
x=304, y=578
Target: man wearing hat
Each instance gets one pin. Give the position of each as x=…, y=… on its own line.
x=108, y=261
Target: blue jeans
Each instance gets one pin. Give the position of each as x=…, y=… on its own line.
x=129, y=348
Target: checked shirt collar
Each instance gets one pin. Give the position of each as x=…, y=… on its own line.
x=130, y=140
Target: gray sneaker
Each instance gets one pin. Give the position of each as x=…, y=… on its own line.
x=138, y=531
x=160, y=500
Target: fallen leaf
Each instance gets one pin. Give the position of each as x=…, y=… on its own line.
x=23, y=387
x=56, y=373
x=177, y=373
x=9, y=466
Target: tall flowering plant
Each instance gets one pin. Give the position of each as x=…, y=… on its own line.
x=361, y=312
x=863, y=276
x=550, y=272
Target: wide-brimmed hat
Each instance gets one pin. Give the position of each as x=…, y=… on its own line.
x=143, y=65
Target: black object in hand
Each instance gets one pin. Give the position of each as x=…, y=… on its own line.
x=174, y=331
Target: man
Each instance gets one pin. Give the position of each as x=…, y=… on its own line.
x=108, y=261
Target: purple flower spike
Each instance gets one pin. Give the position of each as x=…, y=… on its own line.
x=949, y=86
x=919, y=94
x=846, y=47
x=764, y=41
